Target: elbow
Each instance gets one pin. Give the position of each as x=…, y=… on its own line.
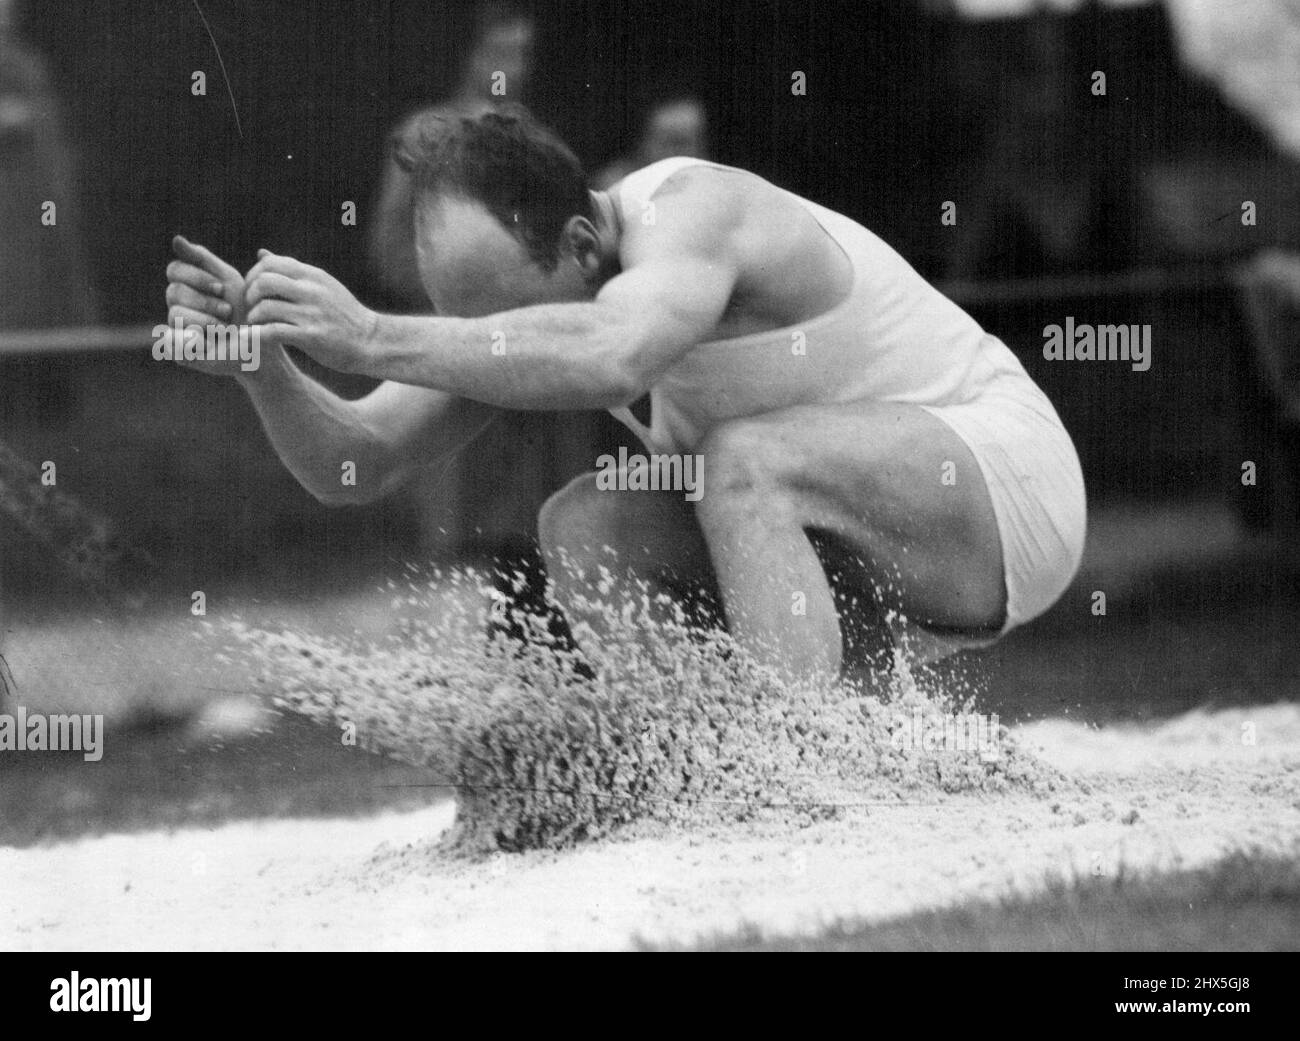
x=619, y=393
x=339, y=497
x=353, y=490
x=332, y=499
x=617, y=383
x=346, y=497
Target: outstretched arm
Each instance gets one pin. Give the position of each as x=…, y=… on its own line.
x=386, y=435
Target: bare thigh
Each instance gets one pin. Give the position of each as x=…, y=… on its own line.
x=885, y=486
x=890, y=497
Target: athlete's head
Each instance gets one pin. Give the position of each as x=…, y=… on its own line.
x=503, y=215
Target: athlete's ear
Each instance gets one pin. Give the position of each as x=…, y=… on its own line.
x=581, y=244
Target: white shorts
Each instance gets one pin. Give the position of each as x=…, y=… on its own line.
x=1034, y=479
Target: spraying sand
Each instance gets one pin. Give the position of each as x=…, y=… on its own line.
x=660, y=722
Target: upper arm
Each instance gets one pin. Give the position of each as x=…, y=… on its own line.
x=678, y=278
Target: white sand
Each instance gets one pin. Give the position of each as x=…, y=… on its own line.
x=1198, y=791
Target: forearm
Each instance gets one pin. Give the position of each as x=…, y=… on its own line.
x=548, y=357
x=315, y=432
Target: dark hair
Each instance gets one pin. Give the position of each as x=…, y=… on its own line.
x=524, y=175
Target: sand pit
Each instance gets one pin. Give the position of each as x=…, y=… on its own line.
x=748, y=809
x=1178, y=794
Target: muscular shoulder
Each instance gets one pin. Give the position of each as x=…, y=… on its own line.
x=700, y=208
x=784, y=267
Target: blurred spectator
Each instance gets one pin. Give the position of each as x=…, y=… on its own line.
x=673, y=126
x=43, y=274
x=500, y=55
x=1270, y=287
x=484, y=502
x=1269, y=397
x=1037, y=195
x=1250, y=50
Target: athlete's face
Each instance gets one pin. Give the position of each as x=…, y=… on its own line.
x=471, y=266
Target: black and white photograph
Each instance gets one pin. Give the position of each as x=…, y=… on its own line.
x=630, y=475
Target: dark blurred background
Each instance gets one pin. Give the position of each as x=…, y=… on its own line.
x=1120, y=208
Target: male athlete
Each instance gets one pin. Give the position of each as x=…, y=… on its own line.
x=843, y=409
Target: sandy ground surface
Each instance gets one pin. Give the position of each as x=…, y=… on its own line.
x=1177, y=794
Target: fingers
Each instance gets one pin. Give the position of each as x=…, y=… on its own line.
x=188, y=316
x=195, y=277
x=278, y=334
x=200, y=257
x=213, y=307
x=272, y=310
x=268, y=261
x=270, y=285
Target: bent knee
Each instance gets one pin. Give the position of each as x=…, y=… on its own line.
x=569, y=520
x=743, y=458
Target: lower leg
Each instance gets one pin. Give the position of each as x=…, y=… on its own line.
x=611, y=553
x=778, y=602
